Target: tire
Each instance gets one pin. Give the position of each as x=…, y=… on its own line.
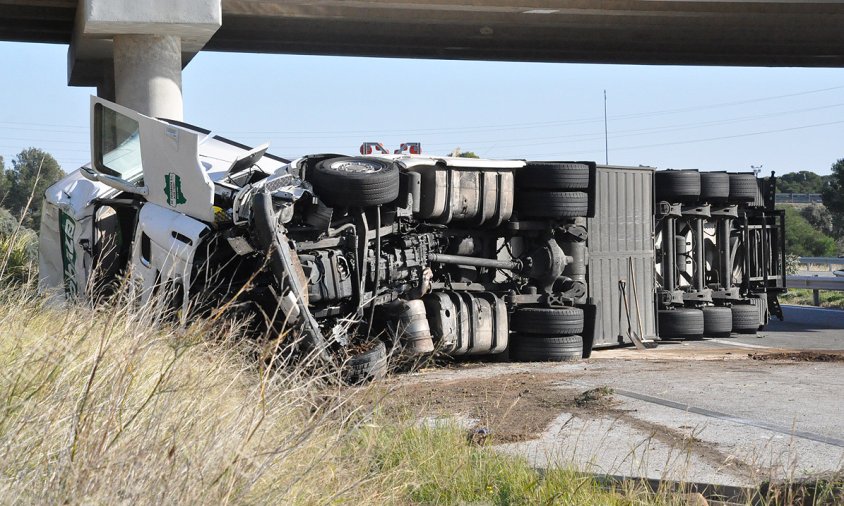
x=368, y=366
x=745, y=319
x=714, y=186
x=526, y=348
x=553, y=176
x=548, y=204
x=544, y=321
x=677, y=185
x=681, y=323
x=743, y=187
x=717, y=321
x=356, y=182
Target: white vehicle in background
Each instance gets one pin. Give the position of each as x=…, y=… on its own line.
x=356, y=254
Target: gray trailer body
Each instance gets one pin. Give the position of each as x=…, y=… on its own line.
x=621, y=234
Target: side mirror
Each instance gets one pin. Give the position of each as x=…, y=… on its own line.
x=112, y=181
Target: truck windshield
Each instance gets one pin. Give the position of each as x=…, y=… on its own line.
x=117, y=146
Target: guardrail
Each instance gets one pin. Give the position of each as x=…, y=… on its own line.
x=821, y=260
x=815, y=283
x=799, y=198
x=829, y=262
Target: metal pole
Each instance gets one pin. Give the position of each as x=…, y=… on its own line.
x=669, y=259
x=606, y=135
x=724, y=228
x=700, y=261
x=441, y=258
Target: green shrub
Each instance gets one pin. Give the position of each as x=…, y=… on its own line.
x=18, y=257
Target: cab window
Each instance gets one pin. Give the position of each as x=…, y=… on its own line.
x=117, y=145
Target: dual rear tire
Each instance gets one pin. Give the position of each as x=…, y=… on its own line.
x=552, y=190
x=689, y=186
x=681, y=323
x=546, y=334
x=712, y=321
x=745, y=319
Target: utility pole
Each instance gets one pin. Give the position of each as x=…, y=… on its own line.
x=606, y=135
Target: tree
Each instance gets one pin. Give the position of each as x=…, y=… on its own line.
x=8, y=223
x=819, y=217
x=802, y=239
x=32, y=171
x=4, y=182
x=463, y=154
x=803, y=181
x=833, y=193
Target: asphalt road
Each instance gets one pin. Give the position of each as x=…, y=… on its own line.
x=705, y=412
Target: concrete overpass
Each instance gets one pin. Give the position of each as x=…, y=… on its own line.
x=116, y=44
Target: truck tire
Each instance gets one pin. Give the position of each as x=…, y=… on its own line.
x=745, y=319
x=681, y=323
x=553, y=176
x=677, y=186
x=356, y=181
x=551, y=204
x=368, y=366
x=526, y=348
x=547, y=321
x=714, y=186
x=717, y=321
x=743, y=187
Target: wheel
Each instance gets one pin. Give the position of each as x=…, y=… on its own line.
x=745, y=319
x=548, y=321
x=356, y=182
x=527, y=348
x=367, y=366
x=717, y=321
x=714, y=186
x=677, y=185
x=549, y=204
x=553, y=176
x=681, y=323
x=743, y=187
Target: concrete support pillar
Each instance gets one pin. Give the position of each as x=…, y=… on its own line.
x=147, y=41
x=105, y=86
x=148, y=74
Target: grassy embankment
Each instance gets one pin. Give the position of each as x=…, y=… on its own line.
x=803, y=297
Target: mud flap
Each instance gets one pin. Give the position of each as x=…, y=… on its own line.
x=284, y=271
x=590, y=312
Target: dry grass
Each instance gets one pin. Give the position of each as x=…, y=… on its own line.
x=100, y=406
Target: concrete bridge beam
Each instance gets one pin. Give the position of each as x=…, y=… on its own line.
x=136, y=49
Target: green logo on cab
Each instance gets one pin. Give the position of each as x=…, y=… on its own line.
x=173, y=189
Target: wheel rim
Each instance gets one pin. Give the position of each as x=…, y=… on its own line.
x=358, y=166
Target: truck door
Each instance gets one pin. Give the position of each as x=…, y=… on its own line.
x=143, y=155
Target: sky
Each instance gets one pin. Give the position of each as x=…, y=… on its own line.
x=708, y=118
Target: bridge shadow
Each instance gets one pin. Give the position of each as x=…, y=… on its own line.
x=807, y=319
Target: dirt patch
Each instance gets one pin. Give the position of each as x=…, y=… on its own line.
x=520, y=406
x=800, y=356
x=513, y=407
x=596, y=397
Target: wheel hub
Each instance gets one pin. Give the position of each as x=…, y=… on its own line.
x=357, y=166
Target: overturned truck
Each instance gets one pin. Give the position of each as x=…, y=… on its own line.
x=353, y=255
